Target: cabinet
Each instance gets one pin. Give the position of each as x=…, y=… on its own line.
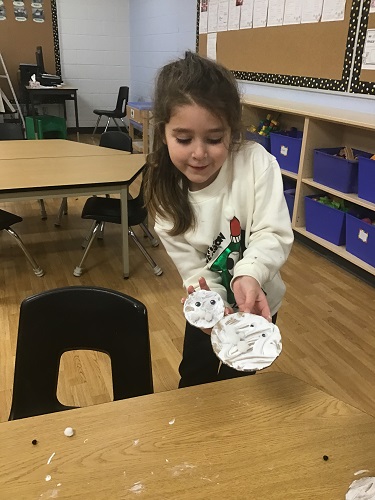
x=322, y=128
x=139, y=114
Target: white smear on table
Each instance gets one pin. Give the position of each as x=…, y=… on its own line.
x=85, y=441
x=207, y=479
x=171, y=422
x=361, y=489
x=50, y=494
x=48, y=477
x=58, y=484
x=137, y=488
x=361, y=472
x=135, y=442
x=167, y=460
x=51, y=457
x=177, y=470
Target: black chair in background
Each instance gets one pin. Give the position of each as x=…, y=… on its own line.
x=73, y=318
x=7, y=220
x=14, y=132
x=118, y=113
x=102, y=210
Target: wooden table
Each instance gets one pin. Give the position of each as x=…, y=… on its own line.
x=256, y=438
x=59, y=94
x=56, y=167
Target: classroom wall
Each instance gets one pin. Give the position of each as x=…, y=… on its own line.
x=95, y=53
x=160, y=30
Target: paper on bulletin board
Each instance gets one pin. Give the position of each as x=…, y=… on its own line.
x=234, y=15
x=368, y=57
x=203, y=16
x=311, y=11
x=333, y=10
x=275, y=12
x=211, y=45
x=292, y=12
x=372, y=6
x=260, y=13
x=246, y=20
x=213, y=8
x=222, y=15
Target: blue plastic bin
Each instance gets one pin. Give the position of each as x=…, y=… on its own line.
x=337, y=172
x=360, y=239
x=366, y=179
x=290, y=195
x=261, y=139
x=286, y=147
x=325, y=221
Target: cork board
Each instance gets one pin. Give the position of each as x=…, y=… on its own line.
x=363, y=79
x=19, y=39
x=316, y=55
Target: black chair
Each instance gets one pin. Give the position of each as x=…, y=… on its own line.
x=14, y=132
x=118, y=113
x=7, y=220
x=102, y=210
x=72, y=318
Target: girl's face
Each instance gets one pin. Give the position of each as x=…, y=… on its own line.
x=198, y=144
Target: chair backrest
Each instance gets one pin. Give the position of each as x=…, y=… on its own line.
x=78, y=317
x=11, y=132
x=122, y=99
x=116, y=140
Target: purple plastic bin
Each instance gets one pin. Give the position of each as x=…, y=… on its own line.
x=360, y=239
x=337, y=172
x=324, y=221
x=290, y=195
x=261, y=139
x=366, y=179
x=286, y=147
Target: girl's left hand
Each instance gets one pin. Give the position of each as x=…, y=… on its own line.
x=203, y=286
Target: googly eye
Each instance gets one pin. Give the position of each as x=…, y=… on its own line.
x=212, y=302
x=198, y=304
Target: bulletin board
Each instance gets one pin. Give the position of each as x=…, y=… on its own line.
x=316, y=55
x=363, y=80
x=19, y=39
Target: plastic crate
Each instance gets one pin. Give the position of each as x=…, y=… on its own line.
x=47, y=127
x=286, y=147
x=290, y=195
x=366, y=179
x=337, y=172
x=360, y=239
x=260, y=139
x=324, y=221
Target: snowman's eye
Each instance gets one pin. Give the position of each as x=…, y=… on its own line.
x=212, y=302
x=198, y=304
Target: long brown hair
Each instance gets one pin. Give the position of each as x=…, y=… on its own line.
x=191, y=80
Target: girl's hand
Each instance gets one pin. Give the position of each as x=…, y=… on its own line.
x=203, y=286
x=250, y=297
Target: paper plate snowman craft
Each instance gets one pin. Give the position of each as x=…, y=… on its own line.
x=203, y=308
x=246, y=342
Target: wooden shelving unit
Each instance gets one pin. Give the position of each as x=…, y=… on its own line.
x=322, y=128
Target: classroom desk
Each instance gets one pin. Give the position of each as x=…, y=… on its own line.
x=54, y=94
x=56, y=167
x=253, y=438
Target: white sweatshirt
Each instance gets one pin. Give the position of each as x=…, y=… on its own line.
x=243, y=228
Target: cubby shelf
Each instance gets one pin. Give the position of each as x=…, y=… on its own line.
x=322, y=127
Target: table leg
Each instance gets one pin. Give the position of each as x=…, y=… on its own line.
x=124, y=227
x=34, y=116
x=76, y=113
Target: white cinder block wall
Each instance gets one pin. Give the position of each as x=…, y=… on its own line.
x=95, y=53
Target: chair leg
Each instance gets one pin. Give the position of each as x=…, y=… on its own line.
x=97, y=124
x=88, y=235
x=105, y=130
x=38, y=271
x=101, y=231
x=78, y=269
x=157, y=270
x=117, y=125
x=63, y=210
x=43, y=212
x=126, y=128
x=154, y=241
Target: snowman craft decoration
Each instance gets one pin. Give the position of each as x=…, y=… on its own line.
x=243, y=341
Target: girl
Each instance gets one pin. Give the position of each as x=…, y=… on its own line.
x=218, y=204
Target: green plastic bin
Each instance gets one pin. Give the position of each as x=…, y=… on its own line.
x=47, y=126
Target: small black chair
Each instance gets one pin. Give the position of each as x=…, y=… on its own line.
x=72, y=318
x=7, y=220
x=118, y=113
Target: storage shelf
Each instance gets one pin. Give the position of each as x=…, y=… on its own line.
x=339, y=250
x=322, y=127
x=345, y=196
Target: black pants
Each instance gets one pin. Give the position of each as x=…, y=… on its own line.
x=200, y=364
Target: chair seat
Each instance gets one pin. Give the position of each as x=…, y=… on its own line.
x=109, y=210
x=7, y=219
x=115, y=113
